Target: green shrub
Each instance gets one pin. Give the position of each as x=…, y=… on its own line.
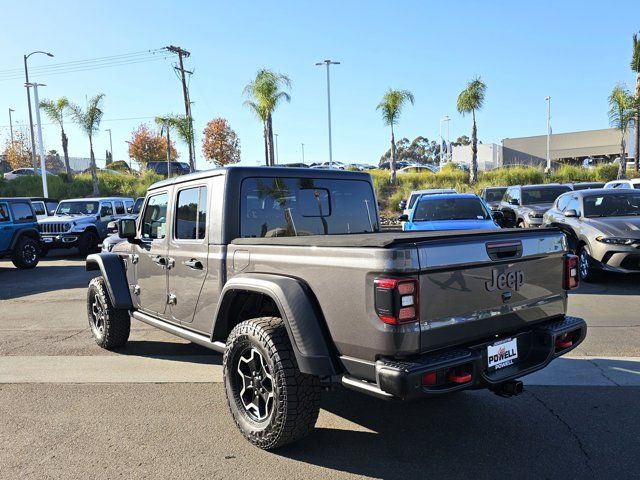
x=605, y=172
x=512, y=176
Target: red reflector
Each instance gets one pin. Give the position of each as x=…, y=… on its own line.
x=459, y=378
x=429, y=378
x=563, y=342
x=407, y=313
x=406, y=288
x=390, y=319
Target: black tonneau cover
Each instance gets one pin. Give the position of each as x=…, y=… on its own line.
x=381, y=239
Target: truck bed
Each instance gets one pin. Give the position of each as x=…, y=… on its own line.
x=384, y=239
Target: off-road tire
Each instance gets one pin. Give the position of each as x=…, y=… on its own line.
x=26, y=253
x=296, y=396
x=115, y=322
x=88, y=243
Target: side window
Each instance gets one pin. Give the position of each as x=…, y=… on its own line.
x=119, y=207
x=51, y=206
x=38, y=207
x=574, y=205
x=4, y=212
x=516, y=194
x=106, y=209
x=562, y=203
x=191, y=214
x=22, y=212
x=154, y=218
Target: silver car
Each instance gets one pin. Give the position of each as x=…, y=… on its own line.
x=602, y=226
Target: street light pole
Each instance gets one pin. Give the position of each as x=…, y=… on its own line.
x=110, y=143
x=302, y=153
x=11, y=123
x=26, y=80
x=328, y=63
x=444, y=119
x=43, y=171
x=548, y=99
x=277, y=156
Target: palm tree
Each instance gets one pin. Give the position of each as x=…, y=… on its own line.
x=470, y=100
x=89, y=121
x=391, y=108
x=621, y=113
x=184, y=129
x=56, y=110
x=635, y=66
x=264, y=94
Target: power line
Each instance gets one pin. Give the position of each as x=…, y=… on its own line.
x=88, y=60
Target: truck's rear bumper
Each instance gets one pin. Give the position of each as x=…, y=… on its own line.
x=467, y=368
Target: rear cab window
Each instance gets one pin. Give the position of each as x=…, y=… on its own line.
x=285, y=207
x=191, y=214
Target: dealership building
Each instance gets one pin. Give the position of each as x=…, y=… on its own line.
x=572, y=147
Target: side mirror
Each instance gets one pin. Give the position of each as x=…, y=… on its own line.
x=403, y=218
x=570, y=213
x=130, y=209
x=127, y=229
x=112, y=227
x=514, y=201
x=52, y=212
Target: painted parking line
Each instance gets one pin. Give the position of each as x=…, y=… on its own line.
x=572, y=371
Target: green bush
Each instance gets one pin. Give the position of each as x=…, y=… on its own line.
x=109, y=184
x=605, y=172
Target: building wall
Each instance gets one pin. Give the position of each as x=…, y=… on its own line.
x=489, y=155
x=604, y=143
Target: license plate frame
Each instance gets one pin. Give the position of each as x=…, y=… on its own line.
x=502, y=353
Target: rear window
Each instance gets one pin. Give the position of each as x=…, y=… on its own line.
x=286, y=207
x=433, y=209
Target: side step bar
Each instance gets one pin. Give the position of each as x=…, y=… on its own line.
x=180, y=332
x=365, y=387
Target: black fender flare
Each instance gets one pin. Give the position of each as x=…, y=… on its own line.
x=115, y=277
x=304, y=323
x=29, y=231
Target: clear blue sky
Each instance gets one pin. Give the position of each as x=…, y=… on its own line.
x=575, y=51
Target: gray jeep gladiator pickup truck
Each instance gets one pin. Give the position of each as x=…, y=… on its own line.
x=285, y=272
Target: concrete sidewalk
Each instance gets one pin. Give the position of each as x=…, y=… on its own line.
x=572, y=371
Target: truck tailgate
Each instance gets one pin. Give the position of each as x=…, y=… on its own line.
x=477, y=287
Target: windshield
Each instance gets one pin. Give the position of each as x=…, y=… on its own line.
x=617, y=205
x=433, y=209
x=494, y=194
x=531, y=196
x=138, y=205
x=77, y=208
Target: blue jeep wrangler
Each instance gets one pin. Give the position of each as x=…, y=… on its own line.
x=19, y=236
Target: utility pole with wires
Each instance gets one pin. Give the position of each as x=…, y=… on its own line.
x=182, y=53
x=11, y=123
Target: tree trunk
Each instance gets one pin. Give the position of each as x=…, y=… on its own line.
x=192, y=163
x=65, y=151
x=92, y=166
x=622, y=167
x=392, y=164
x=272, y=157
x=266, y=143
x=473, y=171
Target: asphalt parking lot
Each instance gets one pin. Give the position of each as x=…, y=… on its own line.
x=157, y=409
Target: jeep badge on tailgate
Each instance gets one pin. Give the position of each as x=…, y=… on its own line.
x=500, y=281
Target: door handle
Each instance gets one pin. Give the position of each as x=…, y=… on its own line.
x=195, y=264
x=160, y=260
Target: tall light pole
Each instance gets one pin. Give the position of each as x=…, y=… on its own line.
x=548, y=99
x=110, y=143
x=11, y=123
x=277, y=157
x=444, y=119
x=302, y=153
x=43, y=171
x=26, y=81
x=328, y=63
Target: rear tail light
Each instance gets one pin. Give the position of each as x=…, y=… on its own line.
x=571, y=275
x=396, y=300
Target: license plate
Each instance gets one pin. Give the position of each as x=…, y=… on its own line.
x=502, y=354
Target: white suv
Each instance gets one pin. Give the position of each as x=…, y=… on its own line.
x=633, y=183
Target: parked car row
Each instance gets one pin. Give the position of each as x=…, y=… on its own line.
x=601, y=221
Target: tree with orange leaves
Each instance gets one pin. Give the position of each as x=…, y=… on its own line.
x=148, y=145
x=220, y=144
